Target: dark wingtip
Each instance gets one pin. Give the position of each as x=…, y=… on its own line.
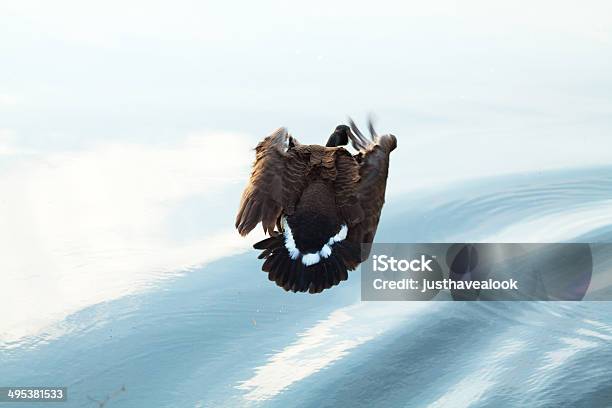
x=358, y=140
x=352, y=124
x=373, y=133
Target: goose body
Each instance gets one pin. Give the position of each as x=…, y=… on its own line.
x=319, y=204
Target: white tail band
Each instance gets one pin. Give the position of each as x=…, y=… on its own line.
x=311, y=258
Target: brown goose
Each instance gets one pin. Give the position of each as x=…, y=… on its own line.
x=318, y=204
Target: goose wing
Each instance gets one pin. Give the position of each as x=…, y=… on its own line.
x=276, y=180
x=373, y=160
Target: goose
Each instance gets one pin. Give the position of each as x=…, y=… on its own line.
x=320, y=205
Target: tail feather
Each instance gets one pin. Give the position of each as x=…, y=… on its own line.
x=329, y=276
x=267, y=265
x=305, y=280
x=332, y=277
x=293, y=275
x=338, y=266
x=293, y=271
x=269, y=243
x=284, y=274
x=265, y=253
x=350, y=253
x=319, y=279
x=272, y=274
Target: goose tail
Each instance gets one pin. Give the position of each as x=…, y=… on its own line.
x=310, y=272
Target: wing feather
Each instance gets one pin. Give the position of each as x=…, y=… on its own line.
x=346, y=187
x=276, y=181
x=370, y=190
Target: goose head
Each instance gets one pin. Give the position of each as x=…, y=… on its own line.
x=340, y=137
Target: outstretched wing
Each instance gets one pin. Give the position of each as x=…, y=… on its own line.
x=373, y=158
x=276, y=182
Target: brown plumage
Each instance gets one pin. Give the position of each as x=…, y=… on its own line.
x=318, y=204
